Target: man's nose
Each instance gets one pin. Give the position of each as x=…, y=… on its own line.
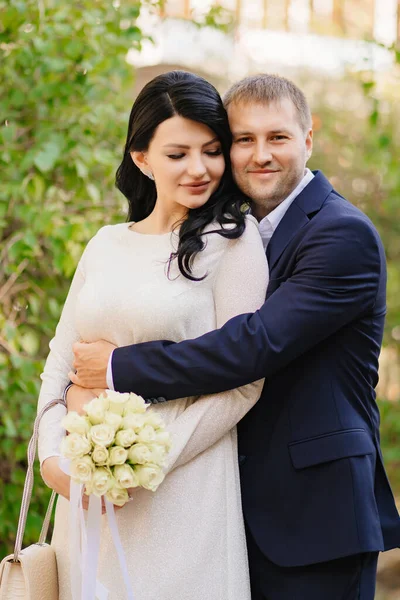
x=262, y=153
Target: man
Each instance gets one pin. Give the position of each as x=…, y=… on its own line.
x=316, y=500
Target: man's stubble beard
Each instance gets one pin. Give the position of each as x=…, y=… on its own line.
x=265, y=202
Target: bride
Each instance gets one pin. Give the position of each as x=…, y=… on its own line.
x=186, y=262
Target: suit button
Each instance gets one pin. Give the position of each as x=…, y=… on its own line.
x=242, y=459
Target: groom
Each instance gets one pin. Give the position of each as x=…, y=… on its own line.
x=317, y=504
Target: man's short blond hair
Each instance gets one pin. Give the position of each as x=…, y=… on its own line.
x=266, y=88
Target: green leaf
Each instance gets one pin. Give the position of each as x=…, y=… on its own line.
x=93, y=192
x=46, y=158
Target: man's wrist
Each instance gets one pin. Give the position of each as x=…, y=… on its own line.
x=109, y=375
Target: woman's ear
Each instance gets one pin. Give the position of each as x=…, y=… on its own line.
x=140, y=160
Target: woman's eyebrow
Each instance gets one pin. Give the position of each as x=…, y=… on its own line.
x=216, y=139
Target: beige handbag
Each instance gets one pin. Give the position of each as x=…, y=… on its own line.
x=31, y=573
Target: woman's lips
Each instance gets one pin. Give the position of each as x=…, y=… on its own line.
x=196, y=188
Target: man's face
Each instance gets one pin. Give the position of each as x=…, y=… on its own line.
x=269, y=151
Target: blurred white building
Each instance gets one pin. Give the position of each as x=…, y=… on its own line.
x=321, y=35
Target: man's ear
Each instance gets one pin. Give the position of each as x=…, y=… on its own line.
x=309, y=143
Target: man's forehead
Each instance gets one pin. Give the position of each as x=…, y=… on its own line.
x=256, y=113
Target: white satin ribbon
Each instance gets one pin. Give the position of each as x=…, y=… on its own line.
x=85, y=544
x=112, y=522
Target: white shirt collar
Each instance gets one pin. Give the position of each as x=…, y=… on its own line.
x=268, y=224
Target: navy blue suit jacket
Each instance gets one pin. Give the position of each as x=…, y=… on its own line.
x=313, y=483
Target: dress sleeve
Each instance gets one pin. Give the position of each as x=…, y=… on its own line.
x=55, y=373
x=240, y=287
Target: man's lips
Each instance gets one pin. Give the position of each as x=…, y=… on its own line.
x=263, y=171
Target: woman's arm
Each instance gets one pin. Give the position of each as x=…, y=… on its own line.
x=54, y=380
x=240, y=286
x=55, y=373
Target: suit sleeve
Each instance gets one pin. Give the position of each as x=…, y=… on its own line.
x=240, y=285
x=338, y=270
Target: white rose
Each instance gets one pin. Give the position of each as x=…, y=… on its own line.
x=82, y=469
x=149, y=476
x=139, y=454
x=133, y=421
x=164, y=439
x=96, y=409
x=102, y=434
x=100, y=455
x=116, y=401
x=135, y=404
x=118, y=455
x=158, y=454
x=153, y=419
x=113, y=419
x=125, y=476
x=75, y=423
x=125, y=438
x=102, y=481
x=118, y=495
x=75, y=445
x=146, y=434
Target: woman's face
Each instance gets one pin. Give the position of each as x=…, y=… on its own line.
x=187, y=163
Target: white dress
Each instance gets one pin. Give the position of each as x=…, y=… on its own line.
x=186, y=541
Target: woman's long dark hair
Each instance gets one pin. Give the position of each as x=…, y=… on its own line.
x=192, y=97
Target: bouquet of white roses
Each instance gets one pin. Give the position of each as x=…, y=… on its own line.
x=116, y=445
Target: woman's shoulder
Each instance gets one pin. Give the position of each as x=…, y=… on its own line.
x=251, y=233
x=109, y=232
x=102, y=239
x=218, y=245
x=250, y=223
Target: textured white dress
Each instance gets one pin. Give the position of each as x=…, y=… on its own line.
x=186, y=541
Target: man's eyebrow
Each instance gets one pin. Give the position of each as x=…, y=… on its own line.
x=216, y=139
x=273, y=131
x=242, y=133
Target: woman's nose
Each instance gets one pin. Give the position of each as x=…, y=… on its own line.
x=196, y=168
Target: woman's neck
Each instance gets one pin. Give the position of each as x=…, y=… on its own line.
x=160, y=221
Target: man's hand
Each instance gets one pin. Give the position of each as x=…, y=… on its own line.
x=91, y=360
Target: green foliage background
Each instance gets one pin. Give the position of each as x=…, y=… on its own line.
x=65, y=96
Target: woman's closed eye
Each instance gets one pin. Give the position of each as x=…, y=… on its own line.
x=176, y=156
x=216, y=152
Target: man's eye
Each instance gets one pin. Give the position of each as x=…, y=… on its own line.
x=280, y=137
x=243, y=140
x=175, y=156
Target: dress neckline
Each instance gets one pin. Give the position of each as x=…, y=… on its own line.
x=149, y=235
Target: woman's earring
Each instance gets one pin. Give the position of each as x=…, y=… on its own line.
x=148, y=174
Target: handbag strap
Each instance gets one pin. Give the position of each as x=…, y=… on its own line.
x=28, y=486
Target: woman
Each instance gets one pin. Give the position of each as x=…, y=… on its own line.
x=187, y=261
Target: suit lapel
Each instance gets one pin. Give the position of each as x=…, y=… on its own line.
x=307, y=202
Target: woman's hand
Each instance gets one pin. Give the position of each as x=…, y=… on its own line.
x=54, y=477
x=78, y=396
x=57, y=480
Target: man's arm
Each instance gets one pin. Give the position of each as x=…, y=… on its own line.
x=336, y=280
